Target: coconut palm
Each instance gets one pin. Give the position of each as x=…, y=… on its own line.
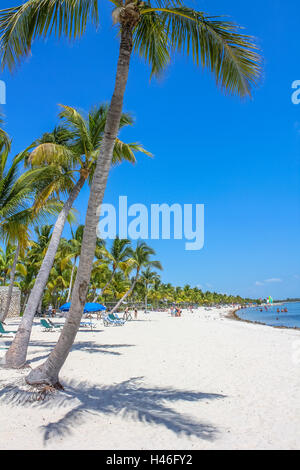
x=139, y=259
x=117, y=257
x=148, y=278
x=16, y=229
x=5, y=142
x=99, y=271
x=75, y=247
x=16, y=212
x=6, y=258
x=70, y=150
x=154, y=30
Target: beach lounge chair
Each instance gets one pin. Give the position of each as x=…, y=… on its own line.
x=57, y=325
x=114, y=316
x=3, y=332
x=87, y=324
x=46, y=326
x=109, y=321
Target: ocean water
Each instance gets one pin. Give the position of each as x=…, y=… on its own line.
x=291, y=318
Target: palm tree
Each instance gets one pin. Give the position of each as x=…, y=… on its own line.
x=16, y=212
x=75, y=247
x=71, y=149
x=140, y=258
x=154, y=30
x=15, y=230
x=117, y=257
x=6, y=257
x=5, y=142
x=148, y=278
x=99, y=270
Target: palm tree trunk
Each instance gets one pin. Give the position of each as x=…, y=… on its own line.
x=16, y=355
x=71, y=281
x=126, y=294
x=48, y=372
x=11, y=285
x=109, y=282
x=39, y=309
x=25, y=301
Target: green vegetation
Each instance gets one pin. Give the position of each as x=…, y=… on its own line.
x=121, y=272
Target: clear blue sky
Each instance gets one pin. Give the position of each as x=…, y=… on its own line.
x=240, y=159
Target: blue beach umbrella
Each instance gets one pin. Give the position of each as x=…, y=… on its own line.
x=88, y=308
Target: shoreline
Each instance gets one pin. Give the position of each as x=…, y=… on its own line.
x=232, y=315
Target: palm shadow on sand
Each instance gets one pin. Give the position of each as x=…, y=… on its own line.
x=89, y=347
x=130, y=399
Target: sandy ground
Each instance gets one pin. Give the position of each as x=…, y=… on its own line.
x=197, y=382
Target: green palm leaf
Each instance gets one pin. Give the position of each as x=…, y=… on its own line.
x=216, y=44
x=20, y=25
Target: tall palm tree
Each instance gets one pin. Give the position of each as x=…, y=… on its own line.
x=16, y=229
x=148, y=278
x=5, y=142
x=17, y=194
x=75, y=248
x=153, y=29
x=70, y=150
x=140, y=258
x=117, y=257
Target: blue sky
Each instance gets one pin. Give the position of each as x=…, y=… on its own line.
x=240, y=159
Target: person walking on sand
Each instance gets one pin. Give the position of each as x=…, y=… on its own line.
x=50, y=308
x=135, y=313
x=126, y=313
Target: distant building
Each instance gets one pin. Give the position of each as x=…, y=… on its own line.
x=14, y=309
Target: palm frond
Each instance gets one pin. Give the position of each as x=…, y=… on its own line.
x=232, y=57
x=51, y=153
x=123, y=151
x=75, y=121
x=5, y=142
x=151, y=42
x=20, y=25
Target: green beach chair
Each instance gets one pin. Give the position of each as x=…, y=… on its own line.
x=46, y=326
x=3, y=332
x=115, y=317
x=58, y=325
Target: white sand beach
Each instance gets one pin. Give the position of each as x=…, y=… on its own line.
x=201, y=381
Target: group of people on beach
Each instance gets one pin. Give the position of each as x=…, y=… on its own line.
x=175, y=311
x=127, y=313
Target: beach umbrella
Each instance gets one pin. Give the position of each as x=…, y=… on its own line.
x=88, y=308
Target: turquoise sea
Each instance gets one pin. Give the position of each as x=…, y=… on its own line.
x=270, y=316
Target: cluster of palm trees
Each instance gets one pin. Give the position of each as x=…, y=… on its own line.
x=111, y=278
x=84, y=151
x=119, y=272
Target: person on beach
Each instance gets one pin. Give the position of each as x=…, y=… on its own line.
x=126, y=313
x=135, y=313
x=50, y=310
